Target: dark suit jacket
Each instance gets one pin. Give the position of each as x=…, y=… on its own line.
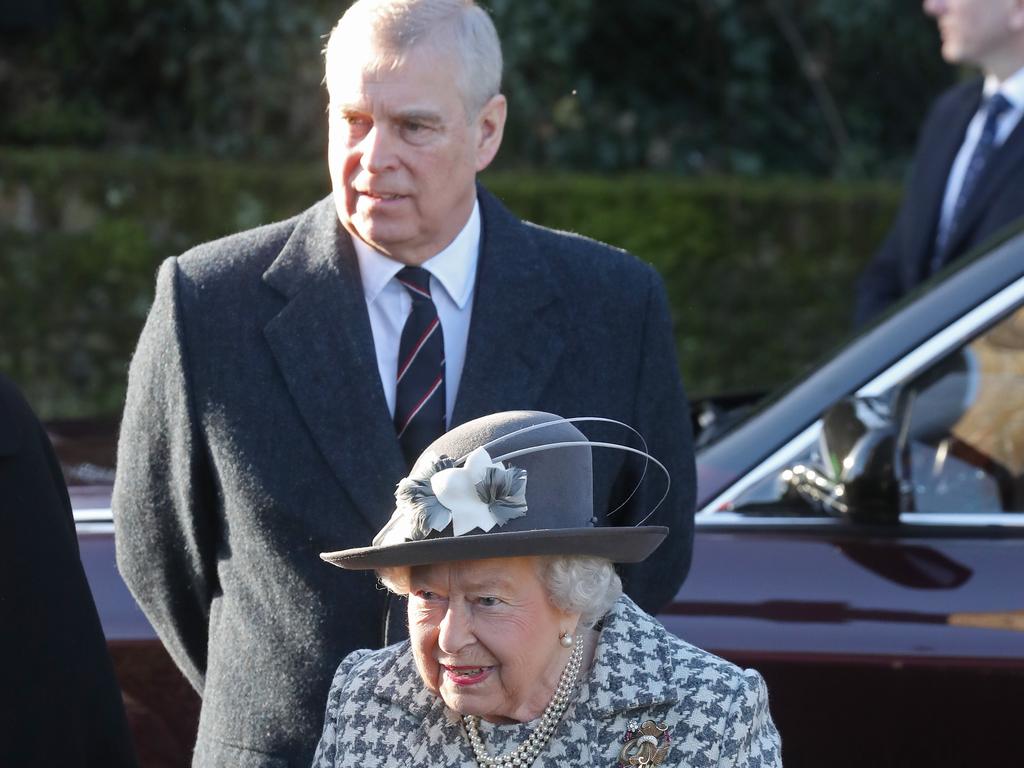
x=997, y=202
x=256, y=436
x=59, y=701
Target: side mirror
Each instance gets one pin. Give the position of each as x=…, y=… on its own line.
x=859, y=447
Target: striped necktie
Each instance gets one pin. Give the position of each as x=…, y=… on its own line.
x=419, y=390
x=994, y=109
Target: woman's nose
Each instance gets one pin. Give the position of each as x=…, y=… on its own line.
x=455, y=630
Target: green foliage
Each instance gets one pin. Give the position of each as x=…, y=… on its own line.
x=81, y=237
x=835, y=88
x=825, y=87
x=234, y=78
x=759, y=274
x=73, y=306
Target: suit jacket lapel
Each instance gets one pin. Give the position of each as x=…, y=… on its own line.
x=515, y=338
x=1001, y=167
x=323, y=345
x=939, y=162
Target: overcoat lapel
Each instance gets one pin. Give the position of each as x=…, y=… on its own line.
x=323, y=345
x=515, y=335
x=1001, y=168
x=938, y=161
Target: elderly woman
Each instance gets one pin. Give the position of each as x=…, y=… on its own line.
x=523, y=650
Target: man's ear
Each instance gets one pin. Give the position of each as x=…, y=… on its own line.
x=490, y=127
x=1017, y=16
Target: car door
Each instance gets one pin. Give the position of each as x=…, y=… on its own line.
x=885, y=643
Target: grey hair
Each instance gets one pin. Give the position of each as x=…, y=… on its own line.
x=395, y=579
x=395, y=27
x=588, y=586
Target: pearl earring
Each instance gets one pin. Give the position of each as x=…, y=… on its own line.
x=566, y=640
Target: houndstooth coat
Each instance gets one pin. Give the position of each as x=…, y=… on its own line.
x=380, y=714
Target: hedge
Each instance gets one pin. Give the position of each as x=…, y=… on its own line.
x=759, y=274
x=825, y=87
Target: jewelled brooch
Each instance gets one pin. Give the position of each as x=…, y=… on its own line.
x=646, y=744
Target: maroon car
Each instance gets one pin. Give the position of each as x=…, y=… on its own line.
x=860, y=542
x=861, y=535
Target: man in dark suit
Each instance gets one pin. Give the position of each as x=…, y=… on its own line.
x=60, y=703
x=287, y=375
x=967, y=180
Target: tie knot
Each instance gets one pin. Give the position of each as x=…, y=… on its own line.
x=996, y=106
x=416, y=281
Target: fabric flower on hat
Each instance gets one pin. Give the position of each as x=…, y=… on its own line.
x=479, y=494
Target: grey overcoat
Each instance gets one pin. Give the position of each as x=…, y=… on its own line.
x=379, y=713
x=256, y=436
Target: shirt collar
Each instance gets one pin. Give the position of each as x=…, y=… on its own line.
x=454, y=267
x=1012, y=88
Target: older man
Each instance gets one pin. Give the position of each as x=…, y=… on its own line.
x=286, y=375
x=967, y=181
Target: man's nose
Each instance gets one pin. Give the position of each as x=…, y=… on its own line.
x=934, y=7
x=456, y=631
x=377, y=150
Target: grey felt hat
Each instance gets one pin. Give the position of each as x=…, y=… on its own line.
x=509, y=484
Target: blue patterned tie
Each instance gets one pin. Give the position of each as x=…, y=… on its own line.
x=994, y=109
x=419, y=390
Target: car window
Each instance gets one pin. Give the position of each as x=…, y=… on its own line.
x=959, y=448
x=964, y=421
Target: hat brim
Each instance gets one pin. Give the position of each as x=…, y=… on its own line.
x=620, y=545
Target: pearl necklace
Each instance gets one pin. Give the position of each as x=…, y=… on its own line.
x=527, y=752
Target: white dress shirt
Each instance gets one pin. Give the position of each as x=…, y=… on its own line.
x=453, y=276
x=1013, y=89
